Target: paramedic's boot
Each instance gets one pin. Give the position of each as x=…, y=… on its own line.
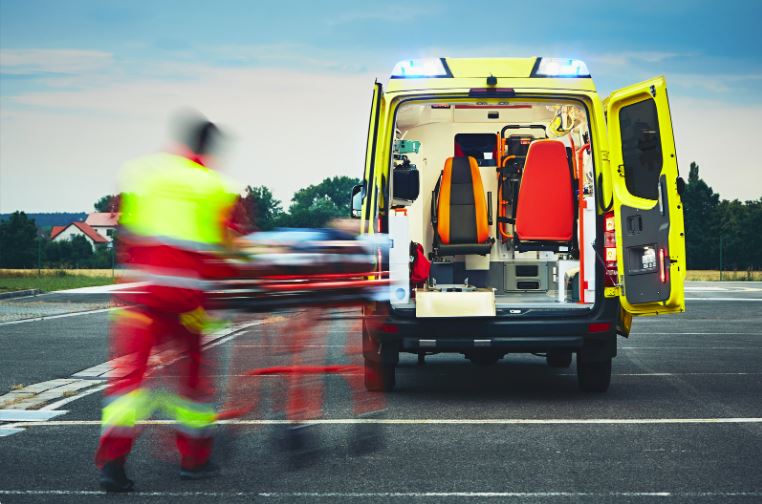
x=114, y=479
x=367, y=437
x=205, y=471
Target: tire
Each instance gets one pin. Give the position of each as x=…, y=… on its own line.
x=484, y=358
x=379, y=377
x=559, y=359
x=593, y=376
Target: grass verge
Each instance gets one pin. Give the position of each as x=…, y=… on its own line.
x=50, y=280
x=714, y=275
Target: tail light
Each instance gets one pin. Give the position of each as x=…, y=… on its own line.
x=609, y=248
x=663, y=266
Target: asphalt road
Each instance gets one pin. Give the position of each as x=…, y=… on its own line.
x=680, y=423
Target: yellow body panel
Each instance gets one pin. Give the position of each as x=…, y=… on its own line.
x=656, y=90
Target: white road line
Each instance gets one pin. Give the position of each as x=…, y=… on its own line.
x=91, y=379
x=400, y=495
x=674, y=374
x=644, y=333
x=431, y=421
x=697, y=347
x=61, y=315
x=723, y=299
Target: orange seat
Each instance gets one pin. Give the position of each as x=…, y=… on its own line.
x=460, y=213
x=545, y=207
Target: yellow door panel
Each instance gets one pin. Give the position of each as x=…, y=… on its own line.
x=649, y=212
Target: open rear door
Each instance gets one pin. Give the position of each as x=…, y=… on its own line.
x=649, y=212
x=369, y=179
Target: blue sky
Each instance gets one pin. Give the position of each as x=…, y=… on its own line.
x=71, y=64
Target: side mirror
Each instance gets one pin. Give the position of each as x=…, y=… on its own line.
x=407, y=183
x=681, y=186
x=358, y=193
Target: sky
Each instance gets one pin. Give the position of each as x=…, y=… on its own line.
x=86, y=85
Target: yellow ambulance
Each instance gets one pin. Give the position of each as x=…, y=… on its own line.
x=542, y=217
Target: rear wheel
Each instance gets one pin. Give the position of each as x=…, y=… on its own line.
x=559, y=359
x=593, y=376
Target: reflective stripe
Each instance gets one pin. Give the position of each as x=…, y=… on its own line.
x=179, y=281
x=125, y=410
x=186, y=245
x=192, y=415
x=122, y=412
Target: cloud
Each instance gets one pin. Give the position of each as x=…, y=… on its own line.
x=632, y=57
x=290, y=129
x=52, y=61
x=397, y=13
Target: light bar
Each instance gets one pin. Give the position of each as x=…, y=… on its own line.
x=421, y=68
x=560, y=67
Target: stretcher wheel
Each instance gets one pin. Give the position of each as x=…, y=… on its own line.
x=379, y=377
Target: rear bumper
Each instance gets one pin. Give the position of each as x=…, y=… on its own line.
x=592, y=332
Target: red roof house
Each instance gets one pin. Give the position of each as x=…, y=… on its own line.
x=61, y=233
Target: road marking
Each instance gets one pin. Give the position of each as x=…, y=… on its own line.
x=20, y=415
x=698, y=333
x=61, y=315
x=36, y=396
x=400, y=495
x=723, y=299
x=676, y=374
x=697, y=347
x=429, y=421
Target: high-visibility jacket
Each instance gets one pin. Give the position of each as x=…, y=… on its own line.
x=173, y=218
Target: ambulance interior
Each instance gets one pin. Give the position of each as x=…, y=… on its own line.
x=505, y=209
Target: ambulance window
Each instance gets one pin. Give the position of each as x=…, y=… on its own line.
x=482, y=146
x=641, y=148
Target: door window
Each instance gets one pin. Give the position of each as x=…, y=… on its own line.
x=641, y=148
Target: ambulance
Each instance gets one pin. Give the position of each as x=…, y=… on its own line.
x=545, y=217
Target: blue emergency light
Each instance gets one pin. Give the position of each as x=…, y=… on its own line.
x=560, y=67
x=421, y=69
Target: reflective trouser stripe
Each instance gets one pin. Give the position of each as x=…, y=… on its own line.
x=121, y=413
x=195, y=419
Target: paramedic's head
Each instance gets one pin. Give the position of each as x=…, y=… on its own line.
x=196, y=135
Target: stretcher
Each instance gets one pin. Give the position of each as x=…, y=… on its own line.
x=316, y=270
x=303, y=268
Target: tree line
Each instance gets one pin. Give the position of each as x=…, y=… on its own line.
x=25, y=244
x=719, y=233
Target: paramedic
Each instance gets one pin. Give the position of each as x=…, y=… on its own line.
x=173, y=217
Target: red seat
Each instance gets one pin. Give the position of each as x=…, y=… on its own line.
x=545, y=207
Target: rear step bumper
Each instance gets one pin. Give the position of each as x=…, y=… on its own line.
x=594, y=333
x=511, y=344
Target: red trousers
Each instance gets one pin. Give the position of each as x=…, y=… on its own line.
x=149, y=343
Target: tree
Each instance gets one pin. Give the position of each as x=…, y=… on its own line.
x=315, y=205
x=702, y=229
x=18, y=245
x=107, y=203
x=261, y=210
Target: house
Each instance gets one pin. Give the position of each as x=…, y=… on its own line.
x=62, y=233
x=104, y=223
